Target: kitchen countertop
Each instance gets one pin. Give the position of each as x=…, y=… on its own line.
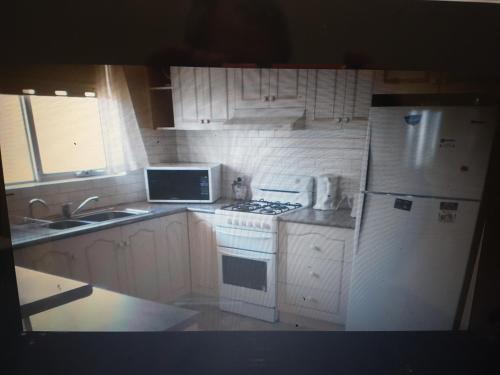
x=331, y=218
x=23, y=235
x=28, y=235
x=102, y=310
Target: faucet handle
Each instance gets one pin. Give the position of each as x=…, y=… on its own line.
x=66, y=209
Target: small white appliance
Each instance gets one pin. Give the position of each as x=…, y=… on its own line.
x=426, y=172
x=327, y=191
x=247, y=243
x=186, y=182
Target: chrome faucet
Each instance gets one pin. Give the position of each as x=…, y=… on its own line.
x=32, y=202
x=66, y=208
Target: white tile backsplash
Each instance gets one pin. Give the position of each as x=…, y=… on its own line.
x=309, y=151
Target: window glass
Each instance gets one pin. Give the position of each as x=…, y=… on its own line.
x=68, y=133
x=14, y=145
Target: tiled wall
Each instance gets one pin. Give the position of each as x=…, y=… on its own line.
x=242, y=152
x=160, y=146
x=305, y=152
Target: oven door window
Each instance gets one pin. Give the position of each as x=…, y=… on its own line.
x=246, y=273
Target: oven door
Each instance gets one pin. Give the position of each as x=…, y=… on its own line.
x=247, y=276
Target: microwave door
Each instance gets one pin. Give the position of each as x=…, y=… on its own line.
x=169, y=185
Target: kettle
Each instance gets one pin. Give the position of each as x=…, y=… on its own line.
x=327, y=187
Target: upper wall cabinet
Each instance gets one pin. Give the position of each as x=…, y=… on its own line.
x=338, y=95
x=270, y=88
x=200, y=95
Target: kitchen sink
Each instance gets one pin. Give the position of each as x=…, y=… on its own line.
x=66, y=224
x=108, y=215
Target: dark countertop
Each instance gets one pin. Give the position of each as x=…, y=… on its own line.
x=331, y=218
x=102, y=310
x=23, y=235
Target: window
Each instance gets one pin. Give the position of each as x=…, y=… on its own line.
x=49, y=137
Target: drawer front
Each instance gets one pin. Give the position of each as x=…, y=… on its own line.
x=317, y=299
x=315, y=245
x=313, y=272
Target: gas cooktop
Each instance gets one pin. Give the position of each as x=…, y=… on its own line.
x=262, y=207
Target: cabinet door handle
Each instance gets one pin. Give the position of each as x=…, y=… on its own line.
x=308, y=299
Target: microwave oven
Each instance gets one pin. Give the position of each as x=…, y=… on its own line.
x=192, y=182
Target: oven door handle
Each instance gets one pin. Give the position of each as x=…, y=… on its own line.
x=264, y=258
x=243, y=233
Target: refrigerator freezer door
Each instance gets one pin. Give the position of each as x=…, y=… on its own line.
x=434, y=151
x=410, y=263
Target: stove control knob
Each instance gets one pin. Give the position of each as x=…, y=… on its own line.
x=257, y=224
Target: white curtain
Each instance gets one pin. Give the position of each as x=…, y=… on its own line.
x=122, y=138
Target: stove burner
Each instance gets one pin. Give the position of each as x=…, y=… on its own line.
x=262, y=207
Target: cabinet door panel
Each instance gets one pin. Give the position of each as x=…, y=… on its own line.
x=350, y=94
x=316, y=299
x=313, y=272
x=45, y=258
x=174, y=230
x=340, y=93
x=187, y=83
x=288, y=88
x=79, y=265
x=141, y=259
x=203, y=254
x=217, y=90
x=104, y=259
x=251, y=88
x=364, y=87
x=325, y=93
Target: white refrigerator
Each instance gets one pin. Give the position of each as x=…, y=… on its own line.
x=425, y=174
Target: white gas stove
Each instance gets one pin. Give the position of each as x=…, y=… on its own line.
x=247, y=240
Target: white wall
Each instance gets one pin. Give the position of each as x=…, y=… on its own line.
x=306, y=152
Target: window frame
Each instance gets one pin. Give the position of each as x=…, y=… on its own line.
x=34, y=150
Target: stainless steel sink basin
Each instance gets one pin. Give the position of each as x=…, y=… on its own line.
x=107, y=215
x=65, y=224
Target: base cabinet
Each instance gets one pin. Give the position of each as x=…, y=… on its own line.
x=203, y=253
x=314, y=271
x=143, y=250
x=49, y=259
x=147, y=259
x=101, y=253
x=174, y=230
